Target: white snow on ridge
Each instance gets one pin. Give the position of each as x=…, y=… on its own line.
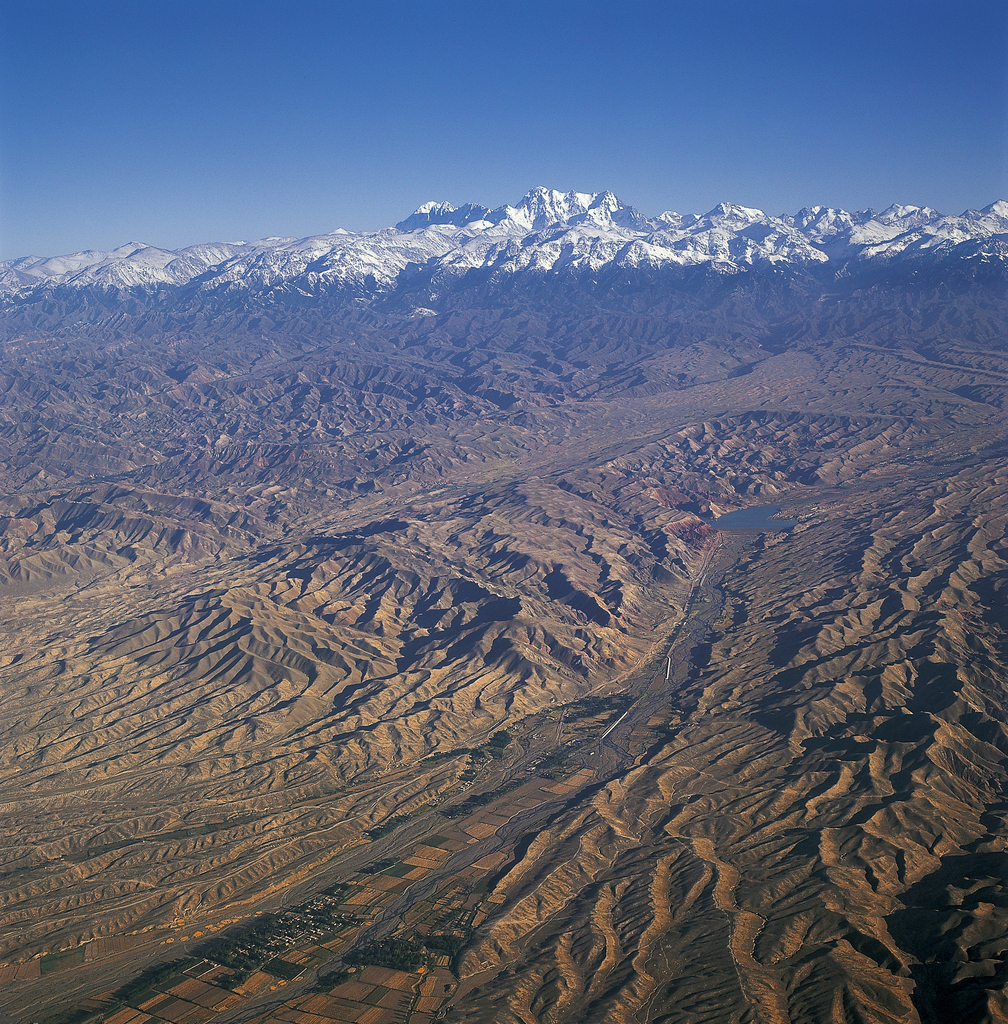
x=547, y=231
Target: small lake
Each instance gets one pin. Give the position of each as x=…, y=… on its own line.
x=759, y=517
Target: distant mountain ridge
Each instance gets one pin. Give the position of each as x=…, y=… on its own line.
x=569, y=235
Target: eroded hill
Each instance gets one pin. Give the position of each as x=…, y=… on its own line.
x=272, y=583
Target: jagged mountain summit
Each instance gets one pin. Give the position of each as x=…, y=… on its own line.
x=566, y=234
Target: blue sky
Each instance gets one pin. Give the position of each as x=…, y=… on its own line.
x=173, y=123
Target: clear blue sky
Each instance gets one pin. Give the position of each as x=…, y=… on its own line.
x=178, y=122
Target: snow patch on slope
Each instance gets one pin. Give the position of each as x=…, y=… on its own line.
x=547, y=231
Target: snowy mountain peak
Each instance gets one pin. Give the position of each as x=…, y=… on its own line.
x=438, y=209
x=606, y=201
x=907, y=215
x=542, y=208
x=433, y=214
x=728, y=214
x=547, y=231
x=669, y=220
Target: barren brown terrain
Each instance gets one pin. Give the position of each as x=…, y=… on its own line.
x=427, y=615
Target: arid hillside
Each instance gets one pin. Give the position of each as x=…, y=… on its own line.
x=412, y=635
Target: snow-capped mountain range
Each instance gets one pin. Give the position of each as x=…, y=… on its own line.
x=547, y=232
